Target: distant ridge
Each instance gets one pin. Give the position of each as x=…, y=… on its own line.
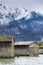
x=24, y=25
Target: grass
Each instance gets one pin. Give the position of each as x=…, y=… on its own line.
x=40, y=45
x=5, y=38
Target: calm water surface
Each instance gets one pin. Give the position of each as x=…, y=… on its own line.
x=23, y=60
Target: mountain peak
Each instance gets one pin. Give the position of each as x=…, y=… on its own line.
x=9, y=14
x=20, y=13
x=2, y=6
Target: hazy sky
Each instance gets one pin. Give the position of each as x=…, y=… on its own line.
x=36, y=5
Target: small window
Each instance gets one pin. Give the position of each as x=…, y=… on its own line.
x=5, y=44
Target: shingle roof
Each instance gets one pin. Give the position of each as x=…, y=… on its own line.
x=5, y=38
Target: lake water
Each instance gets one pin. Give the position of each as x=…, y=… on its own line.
x=23, y=60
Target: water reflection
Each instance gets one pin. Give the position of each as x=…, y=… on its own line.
x=23, y=60
x=7, y=61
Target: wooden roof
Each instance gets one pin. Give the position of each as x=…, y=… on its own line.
x=5, y=38
x=24, y=43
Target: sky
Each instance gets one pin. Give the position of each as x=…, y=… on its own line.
x=30, y=5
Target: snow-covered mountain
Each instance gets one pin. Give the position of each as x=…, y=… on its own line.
x=24, y=25
x=9, y=14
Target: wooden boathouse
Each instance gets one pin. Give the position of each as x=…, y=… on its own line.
x=29, y=48
x=6, y=46
x=10, y=48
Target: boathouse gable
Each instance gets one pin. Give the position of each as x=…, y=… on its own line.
x=6, y=46
x=29, y=48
